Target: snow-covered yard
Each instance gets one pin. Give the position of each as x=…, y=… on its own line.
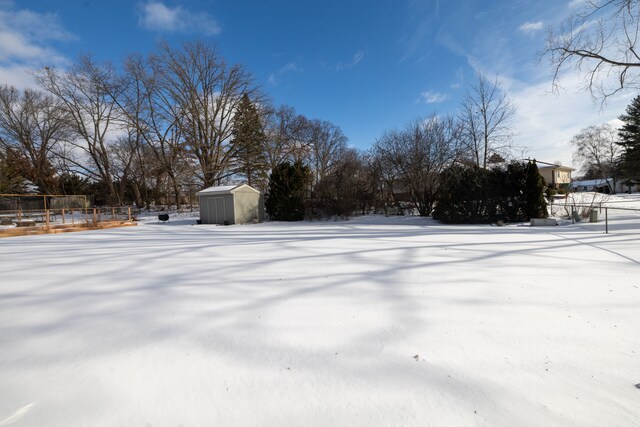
x=373, y=321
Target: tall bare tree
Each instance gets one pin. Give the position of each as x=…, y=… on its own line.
x=414, y=157
x=155, y=116
x=88, y=91
x=326, y=144
x=284, y=136
x=204, y=91
x=596, y=148
x=485, y=120
x=599, y=40
x=33, y=124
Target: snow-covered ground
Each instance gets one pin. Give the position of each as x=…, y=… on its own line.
x=373, y=321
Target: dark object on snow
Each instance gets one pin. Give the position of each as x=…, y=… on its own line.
x=637, y=386
x=163, y=217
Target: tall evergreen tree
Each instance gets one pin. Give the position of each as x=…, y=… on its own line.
x=249, y=140
x=630, y=141
x=534, y=206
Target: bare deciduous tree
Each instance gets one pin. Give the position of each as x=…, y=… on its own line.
x=284, y=133
x=33, y=124
x=155, y=116
x=414, y=157
x=326, y=143
x=346, y=188
x=596, y=149
x=88, y=91
x=204, y=92
x=599, y=40
x=485, y=122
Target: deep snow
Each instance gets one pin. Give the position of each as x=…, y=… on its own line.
x=373, y=321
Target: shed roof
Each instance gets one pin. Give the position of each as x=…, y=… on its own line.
x=225, y=189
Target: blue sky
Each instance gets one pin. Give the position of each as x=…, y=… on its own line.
x=367, y=66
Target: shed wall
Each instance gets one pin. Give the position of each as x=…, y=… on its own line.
x=247, y=206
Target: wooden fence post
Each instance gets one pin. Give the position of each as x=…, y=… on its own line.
x=63, y=216
x=128, y=214
x=46, y=215
x=94, y=216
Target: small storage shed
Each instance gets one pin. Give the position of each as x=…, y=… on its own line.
x=230, y=204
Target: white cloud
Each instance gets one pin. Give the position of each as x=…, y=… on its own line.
x=531, y=27
x=545, y=122
x=42, y=26
x=25, y=38
x=156, y=16
x=431, y=97
x=274, y=78
x=576, y=3
x=17, y=75
x=23, y=34
x=357, y=58
x=15, y=46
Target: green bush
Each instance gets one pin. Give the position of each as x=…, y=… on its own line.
x=288, y=186
x=471, y=195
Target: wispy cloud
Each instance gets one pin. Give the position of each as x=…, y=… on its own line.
x=422, y=20
x=157, y=16
x=459, y=79
x=531, y=27
x=431, y=97
x=576, y=3
x=274, y=78
x=357, y=58
x=545, y=122
x=25, y=38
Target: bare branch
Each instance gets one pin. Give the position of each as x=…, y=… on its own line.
x=599, y=41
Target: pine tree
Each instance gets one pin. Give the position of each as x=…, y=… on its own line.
x=535, y=206
x=630, y=141
x=249, y=140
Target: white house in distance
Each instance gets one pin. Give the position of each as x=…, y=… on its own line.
x=603, y=186
x=230, y=204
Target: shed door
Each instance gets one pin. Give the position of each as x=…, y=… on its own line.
x=215, y=209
